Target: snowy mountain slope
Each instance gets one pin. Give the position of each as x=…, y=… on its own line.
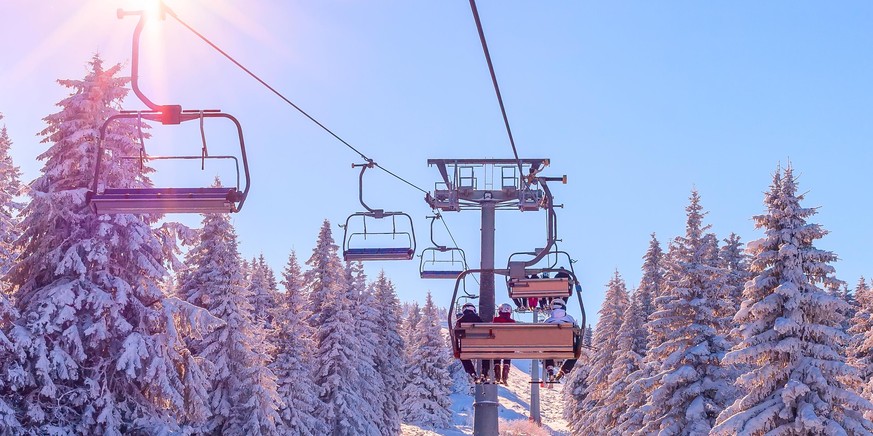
x=514, y=404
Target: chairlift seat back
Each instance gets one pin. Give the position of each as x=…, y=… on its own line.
x=558, y=287
x=515, y=341
x=165, y=200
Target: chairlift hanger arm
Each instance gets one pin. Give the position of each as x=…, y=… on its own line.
x=433, y=219
x=377, y=213
x=169, y=113
x=551, y=219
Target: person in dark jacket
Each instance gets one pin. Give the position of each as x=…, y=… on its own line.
x=563, y=274
x=470, y=315
x=501, y=366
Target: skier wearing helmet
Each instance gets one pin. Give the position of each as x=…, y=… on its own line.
x=559, y=316
x=501, y=366
x=470, y=315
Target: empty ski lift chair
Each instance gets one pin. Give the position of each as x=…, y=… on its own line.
x=441, y=262
x=119, y=199
x=115, y=200
x=360, y=244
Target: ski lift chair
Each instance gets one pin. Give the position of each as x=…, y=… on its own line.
x=115, y=200
x=513, y=340
x=121, y=199
x=435, y=264
x=364, y=245
x=516, y=341
x=441, y=262
x=360, y=244
x=529, y=283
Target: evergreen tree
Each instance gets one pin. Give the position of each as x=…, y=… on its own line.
x=790, y=331
x=575, y=388
x=426, y=394
x=389, y=359
x=294, y=342
x=653, y=277
x=410, y=329
x=689, y=387
x=243, y=396
x=10, y=189
x=860, y=349
x=97, y=349
x=632, y=339
x=366, y=314
x=263, y=292
x=606, y=336
x=736, y=261
x=650, y=289
x=337, y=346
x=588, y=339
x=411, y=333
x=9, y=365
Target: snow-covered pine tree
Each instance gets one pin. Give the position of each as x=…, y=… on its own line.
x=790, y=331
x=10, y=208
x=606, y=337
x=860, y=350
x=294, y=344
x=325, y=277
x=736, y=261
x=411, y=334
x=337, y=346
x=243, y=396
x=588, y=339
x=389, y=359
x=653, y=277
x=97, y=347
x=426, y=395
x=409, y=330
x=263, y=292
x=650, y=289
x=9, y=365
x=632, y=341
x=575, y=389
x=841, y=290
x=689, y=385
x=10, y=187
x=365, y=312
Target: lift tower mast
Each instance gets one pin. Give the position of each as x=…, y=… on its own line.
x=486, y=185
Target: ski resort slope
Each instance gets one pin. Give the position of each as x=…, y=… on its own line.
x=514, y=404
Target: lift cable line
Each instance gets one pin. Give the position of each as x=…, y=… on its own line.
x=170, y=12
x=494, y=81
x=280, y=95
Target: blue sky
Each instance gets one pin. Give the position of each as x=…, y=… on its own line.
x=637, y=103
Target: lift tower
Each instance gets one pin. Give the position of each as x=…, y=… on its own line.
x=487, y=185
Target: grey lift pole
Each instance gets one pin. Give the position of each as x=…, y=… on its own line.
x=535, y=384
x=485, y=407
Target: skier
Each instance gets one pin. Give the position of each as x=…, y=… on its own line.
x=563, y=274
x=470, y=315
x=527, y=303
x=559, y=316
x=501, y=366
